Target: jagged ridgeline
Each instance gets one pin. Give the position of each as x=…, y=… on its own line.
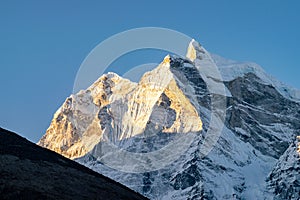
x=255, y=156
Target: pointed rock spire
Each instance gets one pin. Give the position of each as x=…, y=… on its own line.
x=195, y=51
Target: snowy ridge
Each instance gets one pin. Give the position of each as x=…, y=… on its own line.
x=232, y=69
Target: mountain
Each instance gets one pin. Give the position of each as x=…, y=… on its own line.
x=200, y=127
x=31, y=172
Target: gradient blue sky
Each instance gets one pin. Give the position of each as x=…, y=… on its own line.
x=43, y=43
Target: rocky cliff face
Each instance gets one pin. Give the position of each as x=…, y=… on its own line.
x=175, y=101
x=284, y=180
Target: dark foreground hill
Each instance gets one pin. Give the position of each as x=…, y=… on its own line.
x=28, y=171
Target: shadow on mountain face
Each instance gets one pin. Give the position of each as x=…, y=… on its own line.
x=28, y=171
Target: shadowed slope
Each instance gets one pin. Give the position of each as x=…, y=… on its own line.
x=28, y=171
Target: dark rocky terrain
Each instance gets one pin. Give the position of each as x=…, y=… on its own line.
x=28, y=171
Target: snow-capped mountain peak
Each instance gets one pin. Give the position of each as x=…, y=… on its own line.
x=179, y=97
x=118, y=109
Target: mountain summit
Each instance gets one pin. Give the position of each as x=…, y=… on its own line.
x=171, y=107
x=116, y=109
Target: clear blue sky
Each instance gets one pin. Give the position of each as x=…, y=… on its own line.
x=43, y=43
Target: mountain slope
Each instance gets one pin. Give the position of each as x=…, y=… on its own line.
x=284, y=180
x=31, y=172
x=175, y=102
